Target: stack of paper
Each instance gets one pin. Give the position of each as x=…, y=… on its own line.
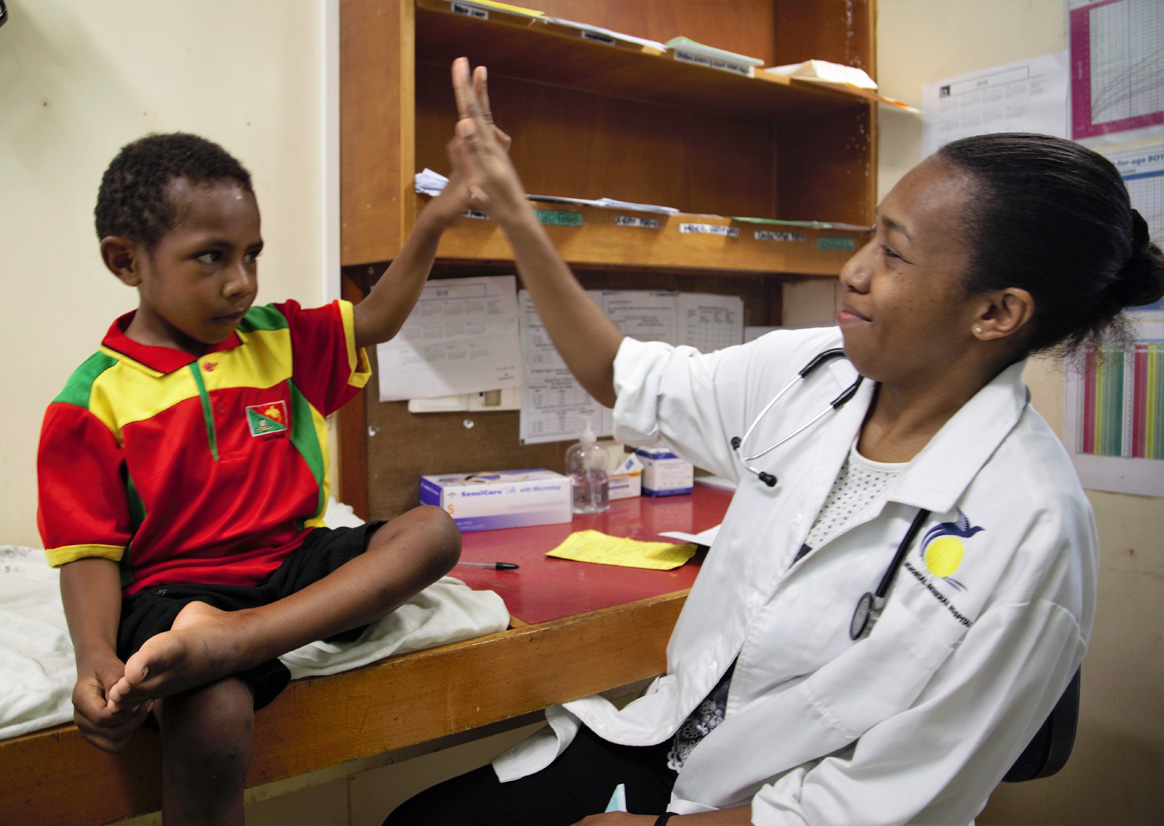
x=826, y=71
x=822, y=71
x=433, y=183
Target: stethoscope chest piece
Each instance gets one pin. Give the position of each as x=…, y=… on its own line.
x=871, y=603
x=864, y=615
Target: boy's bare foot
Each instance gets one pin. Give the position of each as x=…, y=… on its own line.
x=202, y=646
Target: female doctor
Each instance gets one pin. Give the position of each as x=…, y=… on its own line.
x=814, y=677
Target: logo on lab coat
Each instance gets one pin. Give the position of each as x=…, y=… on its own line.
x=942, y=548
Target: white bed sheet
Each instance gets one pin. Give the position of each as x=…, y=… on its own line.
x=37, y=671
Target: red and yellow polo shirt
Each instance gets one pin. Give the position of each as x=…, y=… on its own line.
x=188, y=469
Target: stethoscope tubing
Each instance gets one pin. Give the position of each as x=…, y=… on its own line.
x=836, y=404
x=902, y=550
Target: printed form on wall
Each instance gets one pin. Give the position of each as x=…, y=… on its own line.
x=461, y=337
x=1027, y=96
x=554, y=407
x=1117, y=80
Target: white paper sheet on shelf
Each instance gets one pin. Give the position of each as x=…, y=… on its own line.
x=826, y=71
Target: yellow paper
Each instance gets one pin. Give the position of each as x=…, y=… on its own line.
x=595, y=546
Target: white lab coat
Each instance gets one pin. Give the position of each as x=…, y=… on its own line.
x=916, y=723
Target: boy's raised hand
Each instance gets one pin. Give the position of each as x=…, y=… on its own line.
x=480, y=151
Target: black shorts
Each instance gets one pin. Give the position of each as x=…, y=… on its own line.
x=152, y=611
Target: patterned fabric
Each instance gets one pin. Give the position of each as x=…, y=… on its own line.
x=699, y=723
x=860, y=483
x=172, y=464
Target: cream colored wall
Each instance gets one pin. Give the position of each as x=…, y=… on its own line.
x=80, y=78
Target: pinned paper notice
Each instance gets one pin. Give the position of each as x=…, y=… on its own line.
x=595, y=546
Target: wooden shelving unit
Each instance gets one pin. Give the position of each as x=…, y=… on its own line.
x=590, y=121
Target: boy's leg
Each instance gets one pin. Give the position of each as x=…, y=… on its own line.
x=207, y=736
x=403, y=557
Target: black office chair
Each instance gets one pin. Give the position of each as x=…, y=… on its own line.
x=1052, y=743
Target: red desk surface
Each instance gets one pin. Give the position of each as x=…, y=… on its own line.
x=545, y=588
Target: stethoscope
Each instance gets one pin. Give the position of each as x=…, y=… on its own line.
x=871, y=603
x=836, y=404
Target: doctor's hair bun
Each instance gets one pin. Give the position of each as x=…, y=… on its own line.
x=1141, y=280
x=1054, y=218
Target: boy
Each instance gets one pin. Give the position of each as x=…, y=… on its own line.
x=183, y=479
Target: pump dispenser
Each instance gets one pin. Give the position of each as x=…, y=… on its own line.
x=586, y=467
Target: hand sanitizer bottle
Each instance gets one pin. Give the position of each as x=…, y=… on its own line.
x=586, y=467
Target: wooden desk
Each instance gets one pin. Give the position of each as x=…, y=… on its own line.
x=593, y=628
x=546, y=588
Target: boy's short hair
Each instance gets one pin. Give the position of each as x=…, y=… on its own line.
x=132, y=201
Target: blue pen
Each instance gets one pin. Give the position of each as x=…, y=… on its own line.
x=497, y=566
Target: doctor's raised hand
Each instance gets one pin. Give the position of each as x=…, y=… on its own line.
x=585, y=338
x=935, y=495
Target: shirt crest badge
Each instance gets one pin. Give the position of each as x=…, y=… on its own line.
x=267, y=418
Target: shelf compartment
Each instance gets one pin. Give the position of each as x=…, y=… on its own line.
x=522, y=47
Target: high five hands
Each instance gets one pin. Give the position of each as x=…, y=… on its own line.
x=480, y=151
x=586, y=339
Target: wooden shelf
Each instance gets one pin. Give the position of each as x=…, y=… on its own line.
x=624, y=121
x=522, y=47
x=599, y=240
